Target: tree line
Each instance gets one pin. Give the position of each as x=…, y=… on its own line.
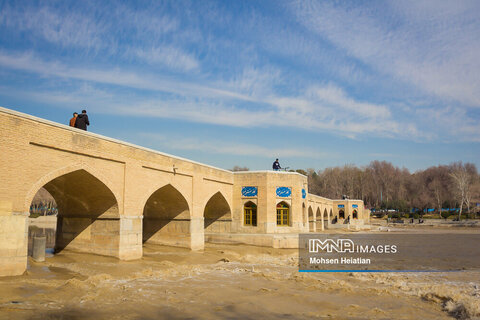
x=381, y=185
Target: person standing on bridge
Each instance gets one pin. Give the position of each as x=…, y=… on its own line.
x=73, y=120
x=276, y=165
x=82, y=121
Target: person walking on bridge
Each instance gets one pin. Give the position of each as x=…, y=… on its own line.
x=276, y=165
x=82, y=121
x=73, y=120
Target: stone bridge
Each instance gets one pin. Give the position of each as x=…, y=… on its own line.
x=113, y=196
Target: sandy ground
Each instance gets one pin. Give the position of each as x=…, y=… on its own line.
x=233, y=282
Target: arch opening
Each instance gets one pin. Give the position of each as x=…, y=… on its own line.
x=250, y=214
x=87, y=214
x=42, y=220
x=217, y=215
x=318, y=215
x=341, y=214
x=166, y=218
x=283, y=214
x=325, y=218
x=304, y=215
x=331, y=217
x=311, y=220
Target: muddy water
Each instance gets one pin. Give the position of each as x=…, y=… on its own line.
x=235, y=282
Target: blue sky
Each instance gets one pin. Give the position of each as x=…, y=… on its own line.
x=227, y=83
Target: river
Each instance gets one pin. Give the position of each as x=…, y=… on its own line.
x=227, y=281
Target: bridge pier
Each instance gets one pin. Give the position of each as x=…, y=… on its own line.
x=88, y=234
x=197, y=233
x=130, y=238
x=13, y=242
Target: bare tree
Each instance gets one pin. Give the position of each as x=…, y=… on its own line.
x=238, y=168
x=380, y=184
x=437, y=180
x=462, y=179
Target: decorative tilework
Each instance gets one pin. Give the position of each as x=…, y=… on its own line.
x=249, y=191
x=284, y=192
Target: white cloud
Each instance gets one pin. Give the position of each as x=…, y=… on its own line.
x=452, y=120
x=255, y=82
x=336, y=96
x=148, y=81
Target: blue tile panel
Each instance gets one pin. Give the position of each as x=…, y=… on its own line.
x=284, y=192
x=249, y=191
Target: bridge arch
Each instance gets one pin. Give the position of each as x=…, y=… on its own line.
x=325, y=219
x=88, y=217
x=65, y=170
x=166, y=217
x=217, y=214
x=319, y=220
x=304, y=216
x=311, y=220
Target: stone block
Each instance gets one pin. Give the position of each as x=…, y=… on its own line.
x=127, y=224
x=6, y=208
x=13, y=266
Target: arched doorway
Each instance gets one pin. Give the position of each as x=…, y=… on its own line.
x=311, y=220
x=283, y=214
x=341, y=214
x=88, y=217
x=217, y=215
x=355, y=214
x=166, y=218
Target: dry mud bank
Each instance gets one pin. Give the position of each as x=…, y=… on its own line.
x=234, y=282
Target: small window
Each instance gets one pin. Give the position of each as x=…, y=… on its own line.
x=250, y=214
x=283, y=214
x=341, y=214
x=355, y=214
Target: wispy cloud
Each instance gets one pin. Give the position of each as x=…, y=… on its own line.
x=401, y=71
x=232, y=147
x=319, y=108
x=70, y=29
x=433, y=46
x=171, y=57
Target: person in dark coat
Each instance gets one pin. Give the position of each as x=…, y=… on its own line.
x=82, y=121
x=276, y=165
